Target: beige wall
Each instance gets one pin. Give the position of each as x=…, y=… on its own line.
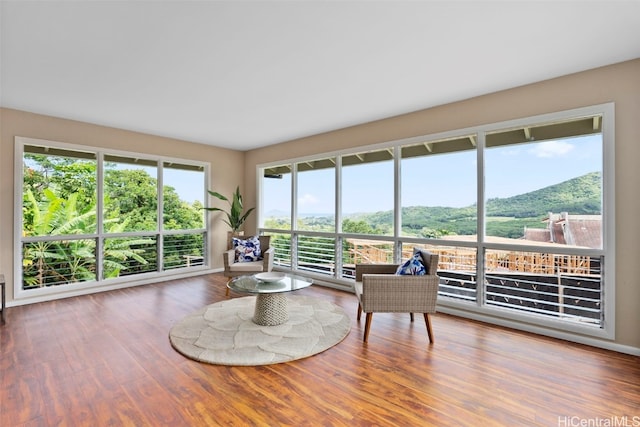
x=619, y=83
x=225, y=172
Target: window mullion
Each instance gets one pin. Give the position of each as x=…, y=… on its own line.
x=294, y=216
x=160, y=219
x=100, y=215
x=480, y=246
x=338, y=217
x=397, y=204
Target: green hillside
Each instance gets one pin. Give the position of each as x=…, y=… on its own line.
x=579, y=196
x=508, y=216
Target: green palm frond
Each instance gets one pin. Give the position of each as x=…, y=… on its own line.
x=235, y=217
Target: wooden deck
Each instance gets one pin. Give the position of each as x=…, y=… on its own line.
x=105, y=359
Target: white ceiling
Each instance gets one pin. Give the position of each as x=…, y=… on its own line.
x=242, y=74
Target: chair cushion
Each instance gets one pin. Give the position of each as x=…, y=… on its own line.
x=413, y=266
x=247, y=267
x=247, y=250
x=357, y=287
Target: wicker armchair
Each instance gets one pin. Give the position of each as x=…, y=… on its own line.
x=380, y=290
x=234, y=269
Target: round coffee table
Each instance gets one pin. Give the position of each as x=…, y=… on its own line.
x=271, y=301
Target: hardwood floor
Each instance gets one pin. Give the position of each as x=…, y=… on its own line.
x=105, y=360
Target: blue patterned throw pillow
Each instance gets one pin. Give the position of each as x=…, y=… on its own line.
x=247, y=250
x=413, y=266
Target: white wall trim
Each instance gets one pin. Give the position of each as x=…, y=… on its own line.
x=109, y=287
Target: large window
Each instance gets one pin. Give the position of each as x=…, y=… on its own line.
x=92, y=216
x=544, y=186
x=130, y=195
x=520, y=213
x=543, y=189
x=367, y=192
x=439, y=188
x=275, y=211
x=276, y=198
x=316, y=203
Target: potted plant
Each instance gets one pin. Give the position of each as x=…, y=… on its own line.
x=235, y=216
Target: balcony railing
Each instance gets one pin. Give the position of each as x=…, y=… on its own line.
x=55, y=260
x=183, y=250
x=316, y=254
x=565, y=286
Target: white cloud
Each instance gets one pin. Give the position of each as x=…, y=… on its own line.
x=548, y=149
x=307, y=200
x=511, y=153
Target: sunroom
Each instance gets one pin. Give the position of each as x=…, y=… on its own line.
x=520, y=213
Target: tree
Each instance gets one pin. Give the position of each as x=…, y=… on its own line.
x=60, y=198
x=360, y=227
x=51, y=262
x=131, y=194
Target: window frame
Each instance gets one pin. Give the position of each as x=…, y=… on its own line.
x=478, y=309
x=46, y=293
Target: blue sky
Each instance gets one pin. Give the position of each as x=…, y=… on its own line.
x=439, y=180
x=188, y=184
x=445, y=179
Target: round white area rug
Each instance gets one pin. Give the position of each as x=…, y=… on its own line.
x=224, y=333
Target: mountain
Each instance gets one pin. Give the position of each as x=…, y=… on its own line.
x=506, y=217
x=579, y=196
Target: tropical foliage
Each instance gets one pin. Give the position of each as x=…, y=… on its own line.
x=235, y=215
x=60, y=199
